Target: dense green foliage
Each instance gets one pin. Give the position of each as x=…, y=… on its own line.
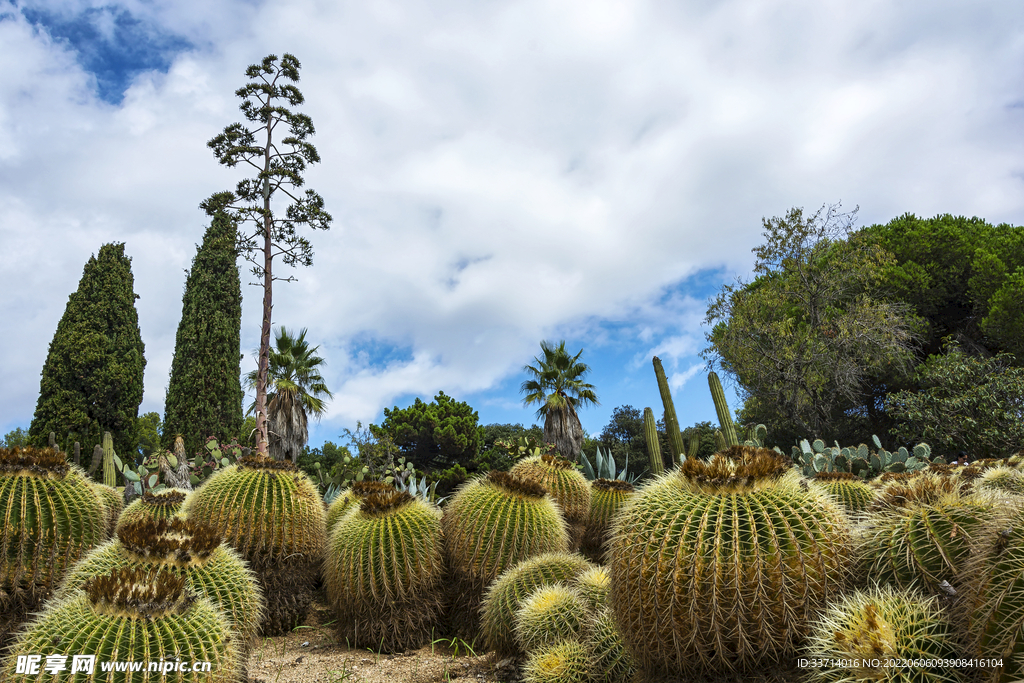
x=92, y=379
x=965, y=405
x=16, y=437
x=204, y=395
x=149, y=429
x=433, y=435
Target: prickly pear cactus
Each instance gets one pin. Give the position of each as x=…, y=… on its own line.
x=163, y=504
x=505, y=595
x=383, y=572
x=607, y=496
x=567, y=486
x=719, y=564
x=132, y=615
x=869, y=635
x=188, y=548
x=919, y=533
x=273, y=516
x=491, y=524
x=50, y=516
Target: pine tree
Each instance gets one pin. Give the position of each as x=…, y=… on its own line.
x=92, y=380
x=204, y=396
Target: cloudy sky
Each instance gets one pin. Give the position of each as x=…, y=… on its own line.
x=499, y=173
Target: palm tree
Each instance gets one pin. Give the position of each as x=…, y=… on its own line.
x=296, y=389
x=558, y=387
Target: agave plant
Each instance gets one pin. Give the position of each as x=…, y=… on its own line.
x=604, y=468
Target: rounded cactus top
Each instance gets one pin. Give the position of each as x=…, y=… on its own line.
x=555, y=462
x=517, y=484
x=365, y=488
x=836, y=476
x=33, y=462
x=164, y=498
x=738, y=469
x=136, y=592
x=612, y=485
x=921, y=490
x=171, y=540
x=263, y=462
x=381, y=503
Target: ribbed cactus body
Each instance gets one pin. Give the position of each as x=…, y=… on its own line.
x=273, y=515
x=133, y=616
x=163, y=504
x=113, y=505
x=920, y=533
x=610, y=660
x=491, y=524
x=186, y=548
x=718, y=565
x=606, y=498
x=505, y=595
x=565, y=662
x=593, y=585
x=1005, y=479
x=849, y=489
x=383, y=572
x=653, y=444
x=550, y=614
x=675, y=436
x=869, y=635
x=722, y=410
x=49, y=518
x=567, y=486
x=351, y=496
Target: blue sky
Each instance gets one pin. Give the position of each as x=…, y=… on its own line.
x=499, y=173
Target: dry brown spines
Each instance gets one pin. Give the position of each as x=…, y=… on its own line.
x=31, y=461
x=556, y=462
x=366, y=488
x=521, y=486
x=612, y=485
x=164, y=498
x=836, y=476
x=172, y=540
x=923, y=490
x=383, y=502
x=262, y=462
x=138, y=592
x=897, y=477
x=736, y=469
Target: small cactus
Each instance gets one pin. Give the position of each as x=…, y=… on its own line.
x=610, y=660
x=593, y=585
x=565, y=662
x=549, y=614
x=849, y=489
x=163, y=504
x=606, y=498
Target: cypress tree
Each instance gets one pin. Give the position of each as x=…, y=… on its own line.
x=204, y=396
x=92, y=380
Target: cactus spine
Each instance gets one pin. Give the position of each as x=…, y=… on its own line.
x=653, y=446
x=675, y=437
x=563, y=662
x=549, y=614
x=722, y=408
x=719, y=564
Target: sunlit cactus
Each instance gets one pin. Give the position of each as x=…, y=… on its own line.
x=505, y=595
x=607, y=496
x=113, y=504
x=491, y=524
x=351, y=496
x=1004, y=479
x=163, y=504
x=133, y=615
x=718, y=565
x=272, y=514
x=383, y=571
x=593, y=585
x=565, y=662
x=567, y=486
x=549, y=614
x=848, y=489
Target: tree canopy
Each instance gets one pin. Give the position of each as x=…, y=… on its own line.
x=433, y=435
x=204, y=395
x=92, y=380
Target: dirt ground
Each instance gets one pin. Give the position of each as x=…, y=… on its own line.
x=312, y=654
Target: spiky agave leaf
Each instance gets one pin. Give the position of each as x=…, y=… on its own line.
x=719, y=565
x=383, y=571
x=868, y=635
x=492, y=523
x=185, y=548
x=138, y=616
x=272, y=514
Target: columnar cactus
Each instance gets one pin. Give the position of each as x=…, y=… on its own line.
x=188, y=548
x=872, y=635
x=675, y=436
x=653, y=444
x=567, y=486
x=273, y=516
x=722, y=409
x=606, y=498
x=133, y=615
x=492, y=523
x=505, y=595
x=719, y=564
x=383, y=571
x=919, y=533
x=49, y=518
x=164, y=504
